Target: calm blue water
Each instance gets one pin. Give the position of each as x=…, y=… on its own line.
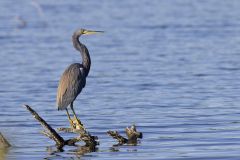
x=170, y=67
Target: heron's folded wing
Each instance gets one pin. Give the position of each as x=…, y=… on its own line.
x=70, y=85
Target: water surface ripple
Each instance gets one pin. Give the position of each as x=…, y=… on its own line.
x=170, y=67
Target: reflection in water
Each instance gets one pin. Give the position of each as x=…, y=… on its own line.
x=78, y=152
x=170, y=66
x=114, y=149
x=52, y=150
x=128, y=148
x=81, y=150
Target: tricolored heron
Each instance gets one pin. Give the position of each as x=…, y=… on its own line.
x=74, y=77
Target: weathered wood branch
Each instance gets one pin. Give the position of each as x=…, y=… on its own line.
x=3, y=142
x=60, y=142
x=131, y=133
x=90, y=141
x=50, y=132
x=84, y=136
x=118, y=137
x=71, y=130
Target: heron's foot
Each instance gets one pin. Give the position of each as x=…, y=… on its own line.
x=78, y=124
x=72, y=124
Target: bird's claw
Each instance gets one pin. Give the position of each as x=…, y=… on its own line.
x=78, y=124
x=72, y=124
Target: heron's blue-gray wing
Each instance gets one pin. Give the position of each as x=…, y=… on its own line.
x=70, y=85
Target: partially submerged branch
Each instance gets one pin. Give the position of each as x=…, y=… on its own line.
x=71, y=130
x=49, y=131
x=91, y=141
x=60, y=142
x=131, y=133
x=3, y=142
x=84, y=136
x=118, y=137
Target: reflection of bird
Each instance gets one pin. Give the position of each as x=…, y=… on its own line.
x=73, y=79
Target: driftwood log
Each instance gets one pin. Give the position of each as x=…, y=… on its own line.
x=4, y=147
x=3, y=142
x=132, y=136
x=60, y=142
x=83, y=135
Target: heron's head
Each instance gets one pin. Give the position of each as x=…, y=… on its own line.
x=86, y=32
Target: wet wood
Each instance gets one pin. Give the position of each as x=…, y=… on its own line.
x=49, y=131
x=118, y=137
x=71, y=130
x=3, y=142
x=84, y=136
x=60, y=142
x=132, y=136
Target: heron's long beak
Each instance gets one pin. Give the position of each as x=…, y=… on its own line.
x=92, y=32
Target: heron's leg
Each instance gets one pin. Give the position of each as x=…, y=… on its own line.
x=70, y=120
x=75, y=116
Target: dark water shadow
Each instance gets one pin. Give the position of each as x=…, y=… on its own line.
x=77, y=153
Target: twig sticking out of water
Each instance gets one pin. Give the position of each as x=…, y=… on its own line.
x=60, y=142
x=3, y=142
x=131, y=133
x=121, y=140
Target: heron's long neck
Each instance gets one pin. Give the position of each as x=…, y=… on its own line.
x=86, y=60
